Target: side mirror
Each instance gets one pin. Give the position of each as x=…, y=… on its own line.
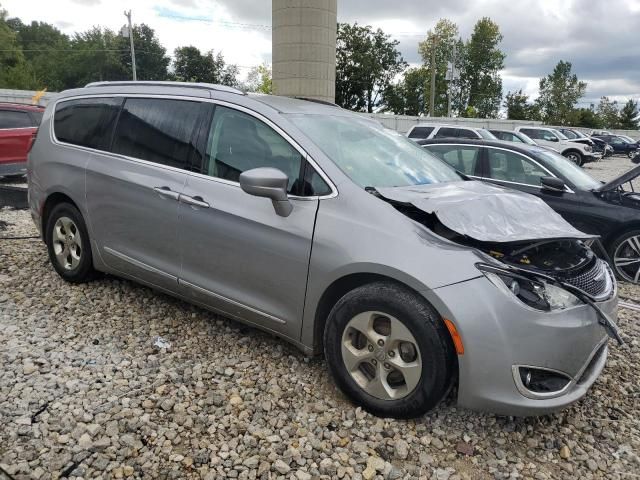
x=554, y=139
x=269, y=183
x=552, y=184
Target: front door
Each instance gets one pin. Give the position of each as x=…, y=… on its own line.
x=132, y=194
x=238, y=255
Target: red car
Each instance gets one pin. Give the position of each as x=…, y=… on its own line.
x=18, y=126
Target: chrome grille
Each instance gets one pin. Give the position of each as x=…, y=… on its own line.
x=597, y=281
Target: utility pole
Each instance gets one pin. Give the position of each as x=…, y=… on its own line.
x=133, y=51
x=432, y=99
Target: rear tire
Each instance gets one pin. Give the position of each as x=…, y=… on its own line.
x=68, y=244
x=625, y=256
x=575, y=157
x=389, y=350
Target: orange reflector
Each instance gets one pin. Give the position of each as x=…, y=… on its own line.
x=455, y=336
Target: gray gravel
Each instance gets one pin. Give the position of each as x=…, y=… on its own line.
x=85, y=394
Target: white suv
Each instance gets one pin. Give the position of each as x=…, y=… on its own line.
x=550, y=137
x=428, y=131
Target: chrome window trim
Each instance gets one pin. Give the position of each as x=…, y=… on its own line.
x=567, y=189
x=282, y=133
x=19, y=128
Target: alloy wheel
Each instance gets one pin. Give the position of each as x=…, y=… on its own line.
x=574, y=157
x=381, y=355
x=626, y=259
x=67, y=243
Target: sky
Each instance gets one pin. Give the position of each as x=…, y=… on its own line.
x=599, y=37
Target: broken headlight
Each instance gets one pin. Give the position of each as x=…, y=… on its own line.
x=538, y=294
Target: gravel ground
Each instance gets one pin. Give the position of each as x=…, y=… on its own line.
x=84, y=393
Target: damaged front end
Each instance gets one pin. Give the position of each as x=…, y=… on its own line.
x=531, y=252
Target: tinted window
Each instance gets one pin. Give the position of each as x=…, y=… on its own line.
x=14, y=119
x=313, y=183
x=532, y=133
x=240, y=142
x=447, y=132
x=86, y=122
x=157, y=130
x=37, y=118
x=513, y=167
x=463, y=158
x=464, y=133
x=421, y=132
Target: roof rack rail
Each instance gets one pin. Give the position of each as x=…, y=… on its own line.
x=158, y=83
x=316, y=100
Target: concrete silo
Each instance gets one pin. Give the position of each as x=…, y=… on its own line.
x=304, y=48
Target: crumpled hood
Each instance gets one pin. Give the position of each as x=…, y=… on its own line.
x=486, y=213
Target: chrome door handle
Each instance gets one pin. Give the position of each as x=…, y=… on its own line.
x=167, y=192
x=196, y=201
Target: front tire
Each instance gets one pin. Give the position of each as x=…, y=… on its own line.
x=575, y=157
x=389, y=350
x=625, y=256
x=68, y=244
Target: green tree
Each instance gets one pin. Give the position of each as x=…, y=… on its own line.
x=481, y=84
x=608, y=113
x=630, y=116
x=367, y=62
x=151, y=57
x=45, y=49
x=585, y=117
x=410, y=95
x=559, y=92
x=14, y=70
x=437, y=50
x=518, y=106
x=192, y=66
x=259, y=79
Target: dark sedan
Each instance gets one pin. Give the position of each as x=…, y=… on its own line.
x=621, y=144
x=610, y=210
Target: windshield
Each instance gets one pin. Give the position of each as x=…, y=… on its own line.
x=371, y=155
x=559, y=134
x=576, y=175
x=486, y=134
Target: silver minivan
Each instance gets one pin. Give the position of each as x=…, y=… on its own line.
x=322, y=227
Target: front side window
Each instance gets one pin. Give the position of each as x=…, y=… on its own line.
x=239, y=142
x=447, y=132
x=461, y=157
x=370, y=155
x=87, y=122
x=464, y=133
x=157, y=130
x=512, y=167
x=421, y=132
x=14, y=119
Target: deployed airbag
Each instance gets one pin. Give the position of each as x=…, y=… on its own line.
x=485, y=212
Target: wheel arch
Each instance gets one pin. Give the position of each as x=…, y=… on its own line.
x=614, y=235
x=53, y=199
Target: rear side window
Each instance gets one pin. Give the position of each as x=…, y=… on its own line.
x=157, y=130
x=421, y=132
x=37, y=118
x=532, y=133
x=461, y=157
x=446, y=132
x=87, y=122
x=14, y=119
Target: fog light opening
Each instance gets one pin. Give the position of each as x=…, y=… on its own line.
x=542, y=381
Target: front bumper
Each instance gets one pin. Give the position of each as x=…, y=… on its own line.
x=591, y=157
x=17, y=168
x=500, y=333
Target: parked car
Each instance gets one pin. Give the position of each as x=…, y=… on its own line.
x=318, y=225
x=424, y=131
x=511, y=136
x=552, y=138
x=621, y=144
x=18, y=127
x=598, y=145
x=608, y=210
